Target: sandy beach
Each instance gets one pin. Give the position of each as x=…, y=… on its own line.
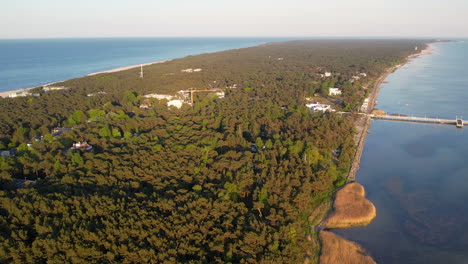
x=127, y=67
x=428, y=50
x=7, y=93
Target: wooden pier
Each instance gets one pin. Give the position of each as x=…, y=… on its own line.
x=456, y=122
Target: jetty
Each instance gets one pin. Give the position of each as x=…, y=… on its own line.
x=458, y=122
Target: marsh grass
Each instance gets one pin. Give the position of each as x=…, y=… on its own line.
x=337, y=250
x=351, y=208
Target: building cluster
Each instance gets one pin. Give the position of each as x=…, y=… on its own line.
x=357, y=77
x=172, y=100
x=23, y=94
x=182, y=97
x=325, y=74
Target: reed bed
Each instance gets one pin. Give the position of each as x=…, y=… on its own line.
x=351, y=208
x=337, y=250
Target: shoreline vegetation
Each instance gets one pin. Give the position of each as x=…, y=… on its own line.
x=360, y=212
x=257, y=168
x=336, y=249
x=351, y=208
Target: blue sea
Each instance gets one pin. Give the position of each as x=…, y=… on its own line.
x=27, y=63
x=417, y=174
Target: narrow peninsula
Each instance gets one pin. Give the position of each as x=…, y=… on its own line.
x=229, y=157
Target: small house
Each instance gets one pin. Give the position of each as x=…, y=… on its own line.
x=317, y=107
x=82, y=145
x=176, y=103
x=334, y=91
x=59, y=130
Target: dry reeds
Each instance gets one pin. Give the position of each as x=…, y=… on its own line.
x=337, y=250
x=351, y=208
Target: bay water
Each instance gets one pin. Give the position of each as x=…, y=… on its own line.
x=417, y=174
x=27, y=63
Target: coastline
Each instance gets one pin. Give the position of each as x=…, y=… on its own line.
x=5, y=94
x=362, y=125
x=127, y=67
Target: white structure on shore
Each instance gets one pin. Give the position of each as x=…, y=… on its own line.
x=365, y=105
x=334, y=91
x=327, y=74
x=320, y=107
x=22, y=94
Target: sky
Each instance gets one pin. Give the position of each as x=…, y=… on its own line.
x=231, y=18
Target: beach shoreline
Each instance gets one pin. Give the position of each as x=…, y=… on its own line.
x=127, y=67
x=6, y=94
x=362, y=125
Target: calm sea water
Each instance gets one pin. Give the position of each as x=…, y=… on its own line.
x=417, y=174
x=32, y=62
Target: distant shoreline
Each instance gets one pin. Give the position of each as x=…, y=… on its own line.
x=7, y=93
x=127, y=67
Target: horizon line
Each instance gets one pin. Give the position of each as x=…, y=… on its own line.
x=284, y=37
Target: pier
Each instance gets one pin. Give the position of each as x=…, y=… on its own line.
x=457, y=122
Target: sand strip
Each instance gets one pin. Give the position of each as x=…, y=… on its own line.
x=7, y=93
x=127, y=67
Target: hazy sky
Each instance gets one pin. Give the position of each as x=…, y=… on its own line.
x=146, y=18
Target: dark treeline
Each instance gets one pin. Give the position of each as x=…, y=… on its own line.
x=229, y=180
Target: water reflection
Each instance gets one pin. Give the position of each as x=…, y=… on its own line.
x=417, y=177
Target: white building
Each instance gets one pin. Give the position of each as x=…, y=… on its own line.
x=334, y=91
x=220, y=94
x=320, y=107
x=365, y=105
x=327, y=74
x=19, y=94
x=191, y=70
x=176, y=103
x=159, y=96
x=363, y=74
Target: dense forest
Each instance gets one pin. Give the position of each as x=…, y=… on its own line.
x=224, y=180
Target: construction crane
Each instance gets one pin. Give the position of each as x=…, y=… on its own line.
x=192, y=91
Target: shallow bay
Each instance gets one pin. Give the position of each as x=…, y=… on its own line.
x=417, y=174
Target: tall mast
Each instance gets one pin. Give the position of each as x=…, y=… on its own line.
x=141, y=71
